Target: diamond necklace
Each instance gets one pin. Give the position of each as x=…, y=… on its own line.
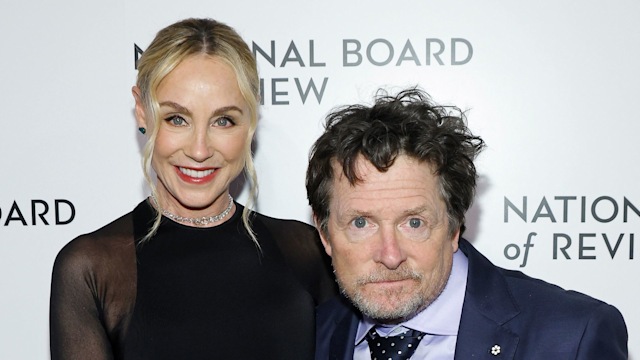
x=201, y=221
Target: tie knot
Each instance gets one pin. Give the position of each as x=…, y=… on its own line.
x=398, y=347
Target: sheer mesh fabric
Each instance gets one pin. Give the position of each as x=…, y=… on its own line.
x=188, y=292
x=93, y=291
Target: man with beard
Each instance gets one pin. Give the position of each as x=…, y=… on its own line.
x=389, y=186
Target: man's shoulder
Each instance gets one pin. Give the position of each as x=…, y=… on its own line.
x=526, y=291
x=541, y=301
x=554, y=307
x=568, y=322
x=530, y=294
x=532, y=290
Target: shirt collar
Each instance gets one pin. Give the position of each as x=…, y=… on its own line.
x=441, y=317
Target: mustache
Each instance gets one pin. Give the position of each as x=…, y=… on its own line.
x=401, y=273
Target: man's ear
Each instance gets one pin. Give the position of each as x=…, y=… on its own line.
x=323, y=236
x=455, y=239
x=141, y=118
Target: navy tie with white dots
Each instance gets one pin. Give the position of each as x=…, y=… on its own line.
x=399, y=347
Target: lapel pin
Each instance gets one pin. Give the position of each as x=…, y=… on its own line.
x=495, y=350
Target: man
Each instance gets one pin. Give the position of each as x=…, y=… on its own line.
x=389, y=186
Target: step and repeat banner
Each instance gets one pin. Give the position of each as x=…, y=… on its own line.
x=550, y=86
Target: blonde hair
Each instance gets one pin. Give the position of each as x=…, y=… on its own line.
x=171, y=46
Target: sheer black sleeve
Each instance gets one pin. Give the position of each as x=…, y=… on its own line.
x=92, y=293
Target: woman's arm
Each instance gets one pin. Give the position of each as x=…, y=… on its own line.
x=76, y=320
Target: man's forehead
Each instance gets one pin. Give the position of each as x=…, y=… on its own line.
x=363, y=168
x=407, y=179
x=410, y=189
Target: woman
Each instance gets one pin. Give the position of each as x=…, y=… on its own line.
x=189, y=273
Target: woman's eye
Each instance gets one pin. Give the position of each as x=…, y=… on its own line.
x=176, y=120
x=223, y=122
x=415, y=223
x=359, y=222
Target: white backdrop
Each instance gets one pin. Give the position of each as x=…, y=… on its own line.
x=549, y=85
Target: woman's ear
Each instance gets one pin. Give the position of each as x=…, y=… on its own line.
x=141, y=118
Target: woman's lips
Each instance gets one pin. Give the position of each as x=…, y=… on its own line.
x=196, y=176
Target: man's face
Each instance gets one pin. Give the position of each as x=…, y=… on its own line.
x=388, y=238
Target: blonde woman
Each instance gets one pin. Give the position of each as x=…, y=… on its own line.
x=190, y=273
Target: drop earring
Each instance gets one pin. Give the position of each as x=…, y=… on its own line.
x=142, y=130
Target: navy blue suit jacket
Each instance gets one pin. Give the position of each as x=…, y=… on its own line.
x=527, y=318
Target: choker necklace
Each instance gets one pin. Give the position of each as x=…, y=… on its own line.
x=201, y=221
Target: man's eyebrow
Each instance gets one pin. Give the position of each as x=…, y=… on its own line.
x=357, y=213
x=417, y=210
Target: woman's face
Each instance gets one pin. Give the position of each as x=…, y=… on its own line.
x=202, y=136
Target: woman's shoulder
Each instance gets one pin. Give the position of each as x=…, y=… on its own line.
x=93, y=284
x=301, y=247
x=98, y=248
x=286, y=228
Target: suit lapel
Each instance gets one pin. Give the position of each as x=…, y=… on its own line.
x=488, y=306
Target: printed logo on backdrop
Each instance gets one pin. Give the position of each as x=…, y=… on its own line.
x=571, y=218
x=37, y=212
x=354, y=53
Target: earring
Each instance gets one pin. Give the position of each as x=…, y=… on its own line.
x=142, y=130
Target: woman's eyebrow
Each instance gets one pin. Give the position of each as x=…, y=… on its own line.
x=176, y=107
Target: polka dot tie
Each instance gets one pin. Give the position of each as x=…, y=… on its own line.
x=399, y=347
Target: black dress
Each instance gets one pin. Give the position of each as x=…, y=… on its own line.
x=189, y=293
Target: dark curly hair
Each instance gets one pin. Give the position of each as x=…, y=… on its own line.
x=406, y=124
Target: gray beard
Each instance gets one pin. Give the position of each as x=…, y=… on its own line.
x=417, y=302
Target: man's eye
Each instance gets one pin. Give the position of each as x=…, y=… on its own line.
x=415, y=223
x=359, y=222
